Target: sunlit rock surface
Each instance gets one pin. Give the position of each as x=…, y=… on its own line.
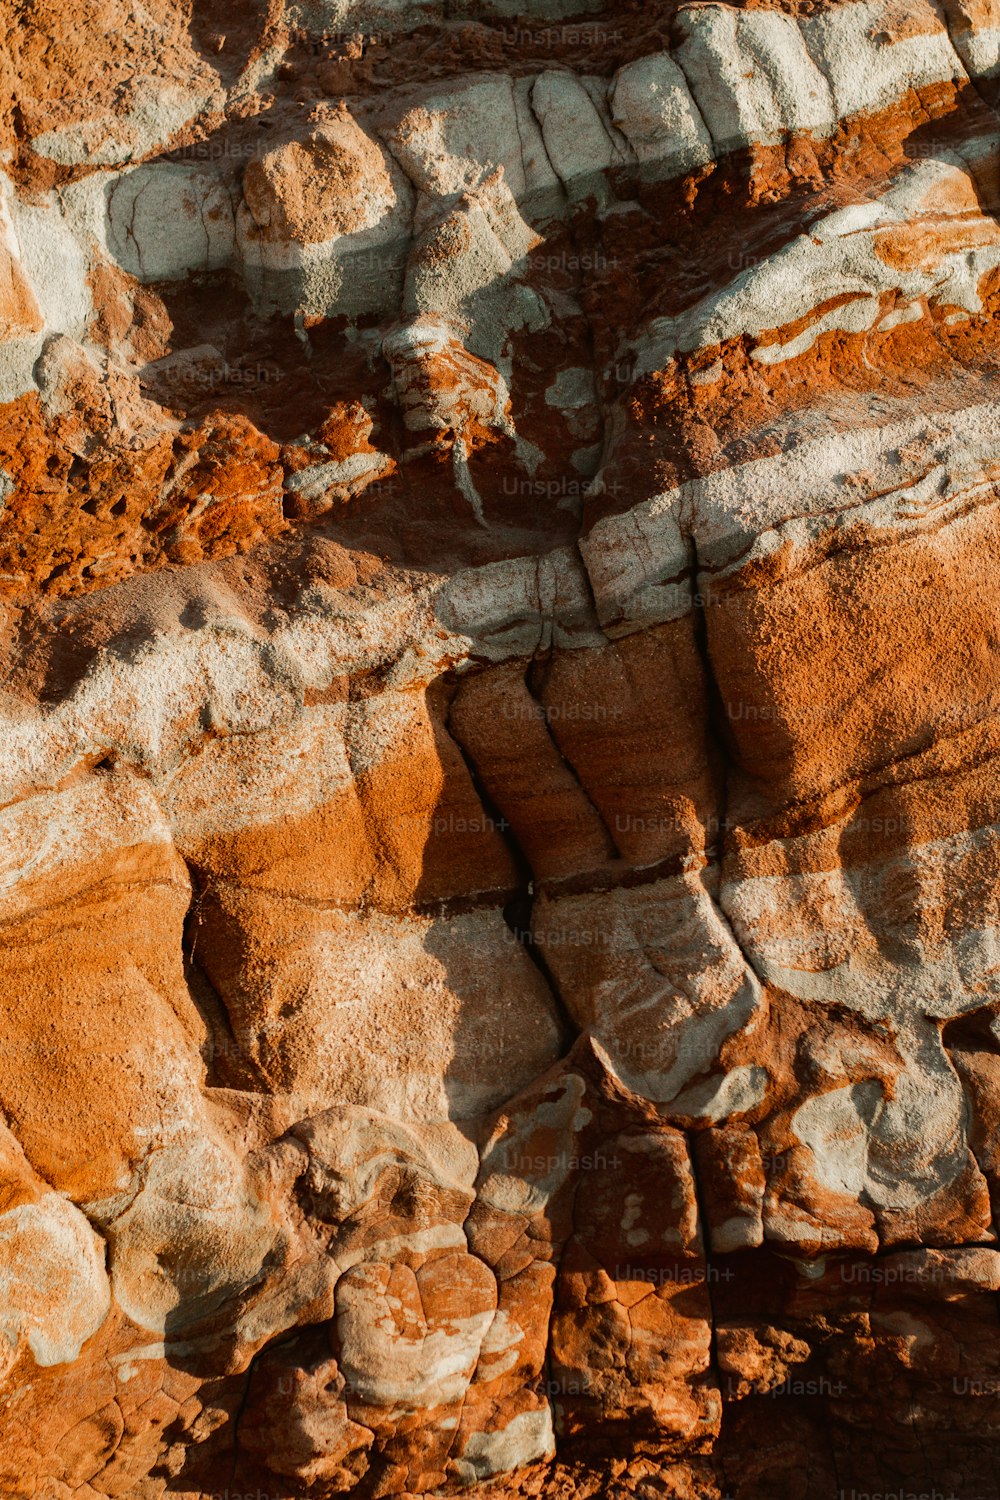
x=499, y=850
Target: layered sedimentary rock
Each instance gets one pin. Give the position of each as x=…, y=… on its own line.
x=498, y=797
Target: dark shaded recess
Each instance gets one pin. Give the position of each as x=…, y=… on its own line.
x=226, y=31
x=226, y=1063
x=268, y=376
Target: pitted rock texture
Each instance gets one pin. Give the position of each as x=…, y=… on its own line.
x=499, y=839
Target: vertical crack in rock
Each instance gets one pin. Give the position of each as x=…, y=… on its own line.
x=238, y=1416
x=517, y=912
x=978, y=56
x=533, y=669
x=703, y=1222
x=227, y=1065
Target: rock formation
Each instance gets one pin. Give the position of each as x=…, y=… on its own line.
x=499, y=850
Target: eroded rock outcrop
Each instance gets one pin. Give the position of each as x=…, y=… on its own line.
x=499, y=858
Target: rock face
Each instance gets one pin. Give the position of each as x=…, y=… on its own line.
x=499, y=837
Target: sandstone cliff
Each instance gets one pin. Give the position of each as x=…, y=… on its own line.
x=499, y=743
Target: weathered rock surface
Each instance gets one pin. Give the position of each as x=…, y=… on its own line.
x=499, y=836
